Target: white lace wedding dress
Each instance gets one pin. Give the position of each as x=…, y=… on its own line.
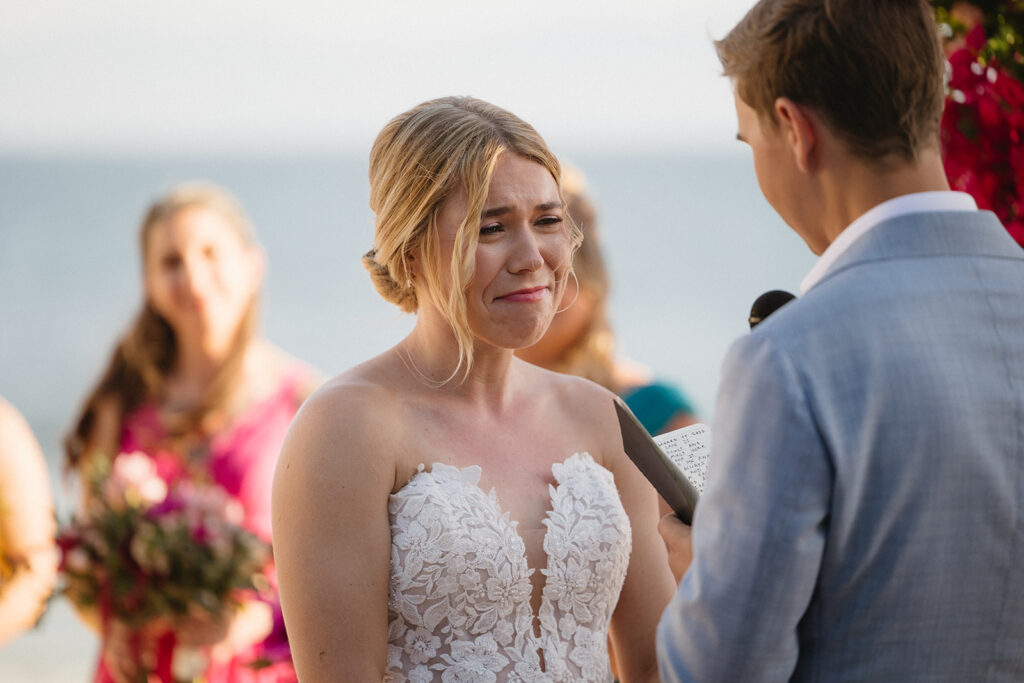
x=459, y=604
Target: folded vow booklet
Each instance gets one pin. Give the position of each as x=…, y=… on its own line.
x=675, y=463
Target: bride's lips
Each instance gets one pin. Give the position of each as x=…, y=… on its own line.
x=527, y=295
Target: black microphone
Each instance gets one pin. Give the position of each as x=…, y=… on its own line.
x=766, y=304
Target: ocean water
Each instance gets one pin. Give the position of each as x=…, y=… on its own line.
x=689, y=240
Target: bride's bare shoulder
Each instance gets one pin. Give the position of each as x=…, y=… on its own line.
x=584, y=398
x=349, y=421
x=579, y=402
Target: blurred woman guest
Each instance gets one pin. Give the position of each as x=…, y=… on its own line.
x=194, y=384
x=28, y=556
x=446, y=511
x=580, y=340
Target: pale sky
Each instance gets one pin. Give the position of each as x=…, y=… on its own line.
x=143, y=77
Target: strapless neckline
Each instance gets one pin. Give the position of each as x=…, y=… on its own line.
x=470, y=475
x=460, y=593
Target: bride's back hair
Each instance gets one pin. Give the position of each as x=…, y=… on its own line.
x=146, y=354
x=419, y=159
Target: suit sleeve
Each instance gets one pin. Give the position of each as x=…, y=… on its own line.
x=759, y=530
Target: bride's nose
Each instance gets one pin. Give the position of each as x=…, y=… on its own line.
x=526, y=255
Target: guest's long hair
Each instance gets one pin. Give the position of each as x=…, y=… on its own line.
x=148, y=352
x=417, y=161
x=592, y=353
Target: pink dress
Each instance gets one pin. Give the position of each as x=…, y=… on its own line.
x=241, y=459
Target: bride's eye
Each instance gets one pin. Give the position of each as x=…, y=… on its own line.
x=549, y=220
x=491, y=229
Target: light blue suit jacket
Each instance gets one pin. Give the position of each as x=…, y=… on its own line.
x=864, y=514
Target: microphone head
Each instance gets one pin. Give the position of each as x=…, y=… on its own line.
x=766, y=304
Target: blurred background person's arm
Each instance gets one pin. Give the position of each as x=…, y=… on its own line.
x=28, y=555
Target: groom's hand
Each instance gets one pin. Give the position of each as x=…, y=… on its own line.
x=679, y=543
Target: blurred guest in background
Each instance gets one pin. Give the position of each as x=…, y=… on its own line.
x=194, y=382
x=28, y=556
x=580, y=340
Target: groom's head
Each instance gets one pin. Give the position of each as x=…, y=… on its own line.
x=872, y=71
x=840, y=102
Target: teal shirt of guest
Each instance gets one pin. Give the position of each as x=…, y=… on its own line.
x=657, y=405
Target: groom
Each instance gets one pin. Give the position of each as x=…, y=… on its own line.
x=864, y=517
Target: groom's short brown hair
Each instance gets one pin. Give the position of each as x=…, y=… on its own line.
x=872, y=69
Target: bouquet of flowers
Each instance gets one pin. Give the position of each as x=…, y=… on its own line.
x=983, y=123
x=146, y=547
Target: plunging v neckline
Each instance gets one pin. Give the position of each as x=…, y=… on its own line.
x=504, y=514
x=536, y=624
x=461, y=589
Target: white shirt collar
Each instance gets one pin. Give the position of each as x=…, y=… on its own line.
x=918, y=202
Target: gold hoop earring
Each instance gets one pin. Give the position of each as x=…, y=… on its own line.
x=575, y=298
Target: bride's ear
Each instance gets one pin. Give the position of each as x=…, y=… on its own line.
x=412, y=266
x=799, y=128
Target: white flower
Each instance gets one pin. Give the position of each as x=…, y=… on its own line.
x=420, y=674
x=446, y=583
x=503, y=632
x=590, y=653
x=529, y=671
x=415, y=542
x=506, y=590
x=472, y=662
x=135, y=474
x=470, y=581
x=394, y=658
x=77, y=560
x=573, y=474
x=556, y=543
x=188, y=663
x=421, y=645
x=568, y=583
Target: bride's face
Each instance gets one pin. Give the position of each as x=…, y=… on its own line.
x=522, y=257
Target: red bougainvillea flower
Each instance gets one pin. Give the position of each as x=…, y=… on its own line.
x=982, y=134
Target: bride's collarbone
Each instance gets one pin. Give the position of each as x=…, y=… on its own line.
x=514, y=448
x=504, y=448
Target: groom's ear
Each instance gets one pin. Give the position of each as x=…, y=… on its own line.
x=799, y=128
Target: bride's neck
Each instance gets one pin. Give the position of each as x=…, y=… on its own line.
x=432, y=355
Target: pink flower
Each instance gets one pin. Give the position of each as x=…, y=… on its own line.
x=135, y=477
x=76, y=560
x=150, y=546
x=169, y=466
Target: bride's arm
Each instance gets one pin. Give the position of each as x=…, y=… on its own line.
x=649, y=585
x=332, y=538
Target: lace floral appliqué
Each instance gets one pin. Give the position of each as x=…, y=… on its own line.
x=459, y=601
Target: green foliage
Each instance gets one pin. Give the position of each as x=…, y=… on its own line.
x=1003, y=24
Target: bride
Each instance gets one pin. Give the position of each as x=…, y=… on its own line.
x=446, y=511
